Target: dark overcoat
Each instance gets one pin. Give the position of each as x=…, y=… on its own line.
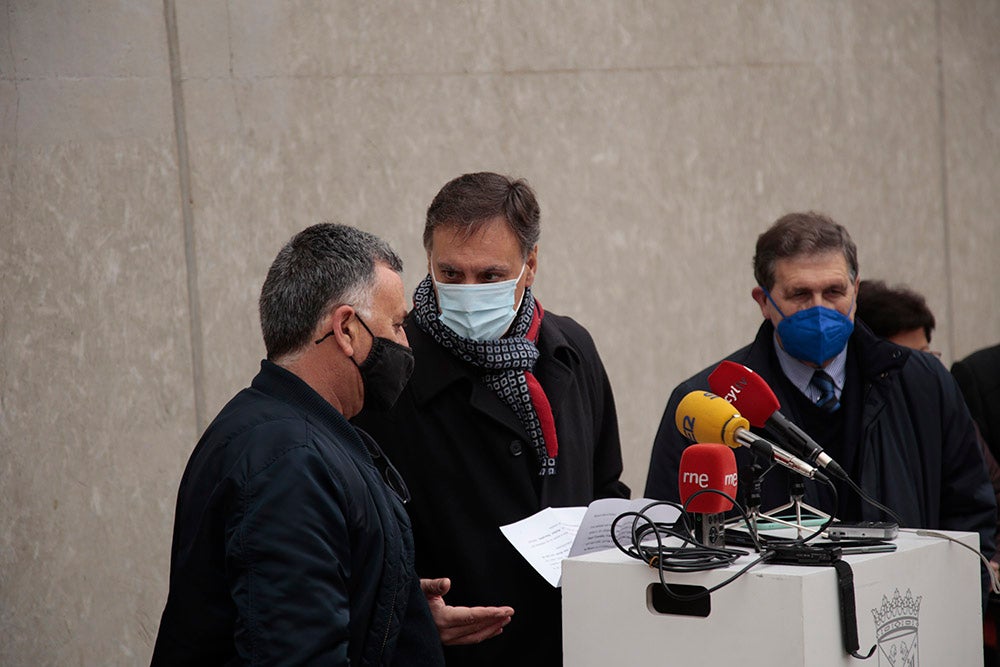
x=471, y=468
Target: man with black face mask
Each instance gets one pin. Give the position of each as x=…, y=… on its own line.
x=291, y=543
x=894, y=420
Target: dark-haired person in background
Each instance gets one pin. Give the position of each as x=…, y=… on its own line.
x=902, y=316
x=896, y=313
x=895, y=420
x=508, y=411
x=291, y=545
x=979, y=377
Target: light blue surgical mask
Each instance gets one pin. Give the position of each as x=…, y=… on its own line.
x=814, y=334
x=482, y=311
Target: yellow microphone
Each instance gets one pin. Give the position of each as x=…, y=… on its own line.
x=704, y=417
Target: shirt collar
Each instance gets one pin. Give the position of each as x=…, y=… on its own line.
x=800, y=374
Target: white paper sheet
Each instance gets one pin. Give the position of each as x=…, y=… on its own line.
x=545, y=538
x=556, y=533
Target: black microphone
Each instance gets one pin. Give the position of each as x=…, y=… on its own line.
x=753, y=398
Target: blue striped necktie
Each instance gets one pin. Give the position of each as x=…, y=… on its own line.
x=827, y=400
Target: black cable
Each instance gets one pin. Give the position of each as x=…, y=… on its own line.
x=857, y=489
x=690, y=556
x=871, y=501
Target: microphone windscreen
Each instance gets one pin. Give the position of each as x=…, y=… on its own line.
x=707, y=466
x=704, y=417
x=748, y=392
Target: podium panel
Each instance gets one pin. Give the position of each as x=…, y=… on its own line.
x=919, y=605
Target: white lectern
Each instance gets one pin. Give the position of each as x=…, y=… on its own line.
x=920, y=605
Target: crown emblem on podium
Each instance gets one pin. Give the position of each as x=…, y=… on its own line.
x=896, y=613
x=896, y=628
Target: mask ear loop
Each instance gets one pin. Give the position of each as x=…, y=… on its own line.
x=372, y=352
x=517, y=307
x=771, y=299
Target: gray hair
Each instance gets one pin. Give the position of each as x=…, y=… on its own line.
x=322, y=267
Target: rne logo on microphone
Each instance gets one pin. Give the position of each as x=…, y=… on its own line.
x=698, y=478
x=732, y=479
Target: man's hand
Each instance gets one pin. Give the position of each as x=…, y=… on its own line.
x=462, y=625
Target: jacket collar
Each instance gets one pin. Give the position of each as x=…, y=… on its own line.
x=436, y=370
x=285, y=385
x=878, y=359
x=873, y=360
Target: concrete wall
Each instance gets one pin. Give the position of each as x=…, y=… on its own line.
x=155, y=156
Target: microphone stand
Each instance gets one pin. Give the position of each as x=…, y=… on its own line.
x=753, y=481
x=796, y=492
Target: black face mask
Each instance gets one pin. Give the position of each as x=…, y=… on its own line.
x=384, y=372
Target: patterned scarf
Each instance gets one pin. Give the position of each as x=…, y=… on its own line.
x=507, y=364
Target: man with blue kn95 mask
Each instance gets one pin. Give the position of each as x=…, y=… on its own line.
x=894, y=420
x=508, y=411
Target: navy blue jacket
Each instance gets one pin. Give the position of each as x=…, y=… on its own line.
x=288, y=548
x=909, y=440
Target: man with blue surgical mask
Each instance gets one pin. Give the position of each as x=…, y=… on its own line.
x=508, y=411
x=894, y=420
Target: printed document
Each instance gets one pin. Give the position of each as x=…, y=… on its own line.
x=556, y=533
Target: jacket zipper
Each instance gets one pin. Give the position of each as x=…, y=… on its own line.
x=388, y=625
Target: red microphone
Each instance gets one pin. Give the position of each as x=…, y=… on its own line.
x=753, y=399
x=708, y=466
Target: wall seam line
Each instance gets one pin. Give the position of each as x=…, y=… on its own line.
x=943, y=157
x=187, y=214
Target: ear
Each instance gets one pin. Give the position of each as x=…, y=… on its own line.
x=344, y=325
x=531, y=267
x=761, y=298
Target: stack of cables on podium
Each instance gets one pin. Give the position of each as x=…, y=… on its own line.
x=707, y=488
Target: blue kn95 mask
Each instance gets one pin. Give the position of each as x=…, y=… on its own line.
x=814, y=334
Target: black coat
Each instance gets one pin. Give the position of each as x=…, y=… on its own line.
x=471, y=468
x=916, y=449
x=979, y=377
x=288, y=547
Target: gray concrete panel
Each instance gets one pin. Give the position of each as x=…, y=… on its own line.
x=96, y=401
x=102, y=39
x=96, y=416
x=971, y=74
